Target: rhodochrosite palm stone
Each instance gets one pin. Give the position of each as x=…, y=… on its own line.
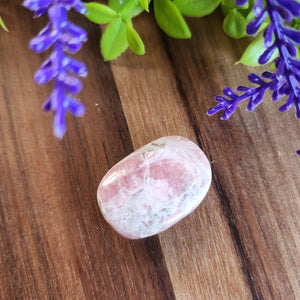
x=154, y=187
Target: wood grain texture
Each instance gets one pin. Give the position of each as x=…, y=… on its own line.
x=242, y=242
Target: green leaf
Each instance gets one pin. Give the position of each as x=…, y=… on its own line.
x=196, y=8
x=254, y=51
x=235, y=24
x=296, y=23
x=118, y=5
x=145, y=5
x=114, y=39
x=170, y=20
x=99, y=13
x=3, y=25
x=134, y=40
x=298, y=52
x=128, y=8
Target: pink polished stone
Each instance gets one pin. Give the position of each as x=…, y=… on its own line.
x=154, y=187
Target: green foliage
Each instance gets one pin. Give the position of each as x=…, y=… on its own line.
x=100, y=14
x=145, y=5
x=235, y=24
x=170, y=20
x=296, y=23
x=119, y=33
x=236, y=18
x=128, y=9
x=134, y=40
x=114, y=40
x=2, y=25
x=196, y=8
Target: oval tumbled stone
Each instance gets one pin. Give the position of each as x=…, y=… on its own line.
x=154, y=187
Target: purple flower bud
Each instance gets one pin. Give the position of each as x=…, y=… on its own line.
x=265, y=57
x=44, y=75
x=47, y=105
x=70, y=83
x=41, y=43
x=283, y=13
x=289, y=103
x=77, y=67
x=297, y=105
x=294, y=35
x=81, y=8
x=68, y=4
x=77, y=32
x=47, y=30
x=276, y=96
x=255, y=79
x=268, y=35
x=242, y=88
x=225, y=116
x=221, y=99
x=39, y=12
x=37, y=4
x=214, y=110
x=229, y=93
x=292, y=5
x=59, y=124
x=258, y=7
x=230, y=110
x=268, y=75
x=70, y=44
x=254, y=25
x=291, y=49
x=75, y=108
x=251, y=106
x=294, y=66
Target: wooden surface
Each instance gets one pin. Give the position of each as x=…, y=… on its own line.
x=243, y=240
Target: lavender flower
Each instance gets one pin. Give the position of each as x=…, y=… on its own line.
x=64, y=36
x=286, y=80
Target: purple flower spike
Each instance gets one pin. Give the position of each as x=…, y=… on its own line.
x=63, y=36
x=286, y=80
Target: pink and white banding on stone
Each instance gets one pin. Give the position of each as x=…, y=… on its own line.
x=154, y=187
